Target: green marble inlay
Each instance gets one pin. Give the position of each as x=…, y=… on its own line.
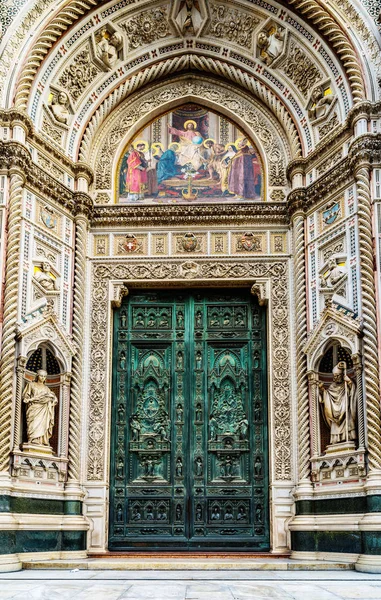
x=39, y=506
x=333, y=506
x=327, y=541
x=12, y=542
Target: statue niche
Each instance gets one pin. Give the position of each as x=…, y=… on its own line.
x=338, y=400
x=41, y=402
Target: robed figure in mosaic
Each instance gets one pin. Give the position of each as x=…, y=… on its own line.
x=340, y=405
x=40, y=402
x=136, y=181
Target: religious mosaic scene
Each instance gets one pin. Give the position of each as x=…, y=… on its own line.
x=190, y=296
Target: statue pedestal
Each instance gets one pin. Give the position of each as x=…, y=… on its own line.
x=340, y=448
x=37, y=449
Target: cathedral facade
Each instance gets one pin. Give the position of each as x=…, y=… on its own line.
x=190, y=241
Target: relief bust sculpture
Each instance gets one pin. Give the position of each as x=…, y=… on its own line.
x=40, y=402
x=59, y=107
x=340, y=405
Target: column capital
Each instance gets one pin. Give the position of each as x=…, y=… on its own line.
x=83, y=205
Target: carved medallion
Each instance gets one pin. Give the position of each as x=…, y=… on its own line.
x=129, y=244
x=331, y=212
x=250, y=242
x=49, y=217
x=189, y=242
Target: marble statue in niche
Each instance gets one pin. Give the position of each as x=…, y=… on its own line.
x=59, y=107
x=108, y=46
x=319, y=104
x=44, y=278
x=270, y=43
x=339, y=402
x=189, y=17
x=40, y=402
x=333, y=274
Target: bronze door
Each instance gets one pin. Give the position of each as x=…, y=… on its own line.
x=189, y=435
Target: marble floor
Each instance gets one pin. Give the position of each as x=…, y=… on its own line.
x=189, y=585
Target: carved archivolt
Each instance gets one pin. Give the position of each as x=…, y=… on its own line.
x=112, y=137
x=107, y=277
x=240, y=76
x=312, y=11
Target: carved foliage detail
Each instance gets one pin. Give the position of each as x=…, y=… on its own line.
x=79, y=74
x=147, y=27
x=233, y=25
x=301, y=70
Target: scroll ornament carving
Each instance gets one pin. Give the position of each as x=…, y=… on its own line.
x=238, y=105
x=210, y=271
x=327, y=127
x=79, y=74
x=146, y=27
x=233, y=25
x=301, y=70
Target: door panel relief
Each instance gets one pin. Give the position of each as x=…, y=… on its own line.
x=189, y=448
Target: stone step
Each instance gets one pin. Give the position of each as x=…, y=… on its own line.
x=188, y=564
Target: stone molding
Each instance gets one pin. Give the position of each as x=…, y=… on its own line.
x=274, y=213
x=108, y=276
x=314, y=13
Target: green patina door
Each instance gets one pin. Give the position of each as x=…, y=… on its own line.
x=189, y=457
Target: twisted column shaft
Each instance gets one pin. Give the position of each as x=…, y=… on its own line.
x=81, y=224
x=8, y=348
x=300, y=340
x=368, y=293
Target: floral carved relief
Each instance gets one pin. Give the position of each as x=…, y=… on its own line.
x=146, y=27
x=215, y=273
x=301, y=70
x=233, y=25
x=79, y=74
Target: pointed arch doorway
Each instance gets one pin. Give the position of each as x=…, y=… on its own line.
x=189, y=454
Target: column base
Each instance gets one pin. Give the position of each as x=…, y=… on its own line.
x=10, y=563
x=368, y=563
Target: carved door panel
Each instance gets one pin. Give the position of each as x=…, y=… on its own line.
x=189, y=446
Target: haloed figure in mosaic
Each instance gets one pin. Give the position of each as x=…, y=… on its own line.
x=40, y=402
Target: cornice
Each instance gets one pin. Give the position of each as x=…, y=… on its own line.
x=272, y=213
x=365, y=149
x=337, y=136
x=14, y=155
x=11, y=117
x=83, y=204
x=296, y=201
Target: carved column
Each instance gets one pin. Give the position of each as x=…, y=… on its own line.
x=65, y=399
x=83, y=206
x=296, y=201
x=357, y=365
x=20, y=372
x=369, y=308
x=8, y=348
x=313, y=379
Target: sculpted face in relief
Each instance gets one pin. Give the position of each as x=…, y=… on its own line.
x=40, y=402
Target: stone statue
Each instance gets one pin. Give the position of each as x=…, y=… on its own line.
x=340, y=405
x=333, y=274
x=40, y=402
x=108, y=47
x=270, y=44
x=43, y=278
x=319, y=103
x=189, y=17
x=59, y=107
